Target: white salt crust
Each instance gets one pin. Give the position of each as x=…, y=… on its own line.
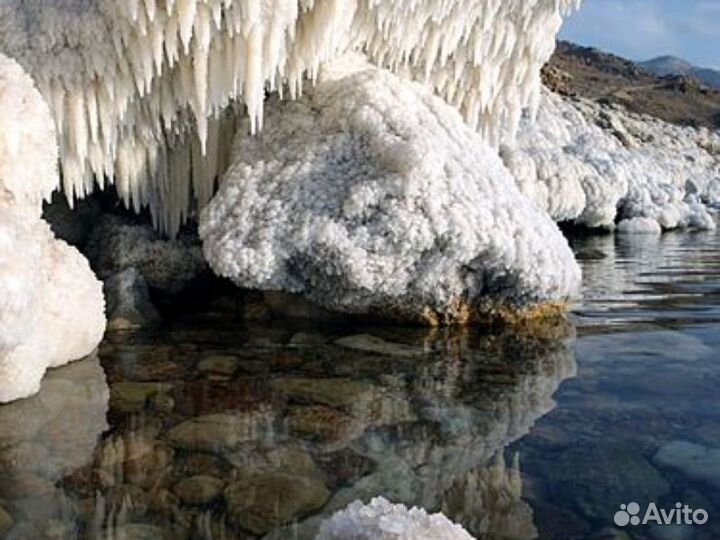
x=598, y=165
x=363, y=196
x=51, y=305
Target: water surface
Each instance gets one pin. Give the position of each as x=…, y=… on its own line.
x=211, y=428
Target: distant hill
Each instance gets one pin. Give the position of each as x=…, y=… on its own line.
x=671, y=65
x=594, y=74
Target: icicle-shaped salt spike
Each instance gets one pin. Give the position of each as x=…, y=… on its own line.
x=162, y=58
x=150, y=8
x=133, y=8
x=254, y=93
x=186, y=17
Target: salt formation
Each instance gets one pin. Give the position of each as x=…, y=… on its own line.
x=129, y=81
x=639, y=225
x=51, y=305
x=364, y=197
x=381, y=520
x=598, y=165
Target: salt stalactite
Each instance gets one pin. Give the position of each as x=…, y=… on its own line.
x=598, y=165
x=484, y=57
x=130, y=82
x=51, y=305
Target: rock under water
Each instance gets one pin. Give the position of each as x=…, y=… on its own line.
x=370, y=195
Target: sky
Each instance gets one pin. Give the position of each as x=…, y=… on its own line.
x=644, y=29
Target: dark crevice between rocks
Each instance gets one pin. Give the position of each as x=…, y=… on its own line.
x=148, y=278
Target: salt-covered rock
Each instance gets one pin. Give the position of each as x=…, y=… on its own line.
x=51, y=304
x=596, y=165
x=381, y=520
x=117, y=245
x=363, y=196
x=639, y=225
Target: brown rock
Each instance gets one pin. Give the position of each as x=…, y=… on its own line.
x=323, y=424
x=6, y=521
x=163, y=502
x=132, y=397
x=199, y=490
x=218, y=364
x=218, y=432
x=336, y=392
x=262, y=503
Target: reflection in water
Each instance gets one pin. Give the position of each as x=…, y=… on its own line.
x=209, y=430
x=487, y=501
x=45, y=438
x=231, y=433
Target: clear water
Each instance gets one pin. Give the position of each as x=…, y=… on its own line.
x=215, y=429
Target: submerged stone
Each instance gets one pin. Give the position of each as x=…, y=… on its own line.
x=262, y=503
x=199, y=490
x=219, y=364
x=129, y=397
x=693, y=460
x=135, y=531
x=368, y=343
x=218, y=432
x=6, y=521
x=338, y=392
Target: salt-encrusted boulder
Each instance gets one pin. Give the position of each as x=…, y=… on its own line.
x=639, y=226
x=370, y=195
x=51, y=305
x=168, y=266
x=381, y=520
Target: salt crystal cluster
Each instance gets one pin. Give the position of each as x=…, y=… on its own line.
x=130, y=82
x=51, y=305
x=381, y=520
x=598, y=165
x=371, y=195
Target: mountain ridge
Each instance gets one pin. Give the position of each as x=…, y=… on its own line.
x=591, y=73
x=668, y=65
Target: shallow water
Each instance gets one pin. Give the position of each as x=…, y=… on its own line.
x=214, y=429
